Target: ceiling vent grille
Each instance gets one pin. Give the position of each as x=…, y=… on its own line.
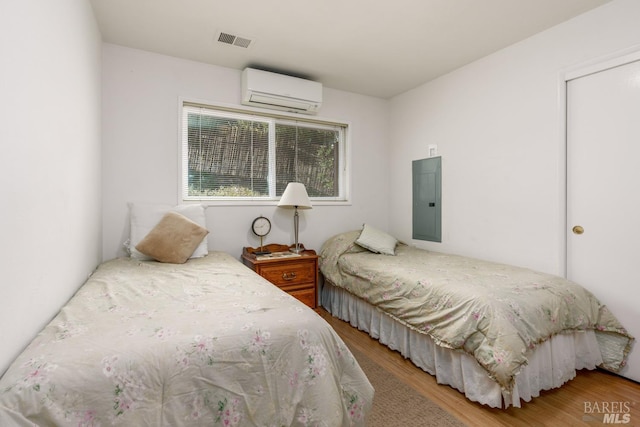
x=234, y=40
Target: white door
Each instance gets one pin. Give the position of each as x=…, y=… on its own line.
x=603, y=192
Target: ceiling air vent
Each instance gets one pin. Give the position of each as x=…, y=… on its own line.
x=233, y=39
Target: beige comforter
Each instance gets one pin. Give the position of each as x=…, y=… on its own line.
x=495, y=312
x=204, y=343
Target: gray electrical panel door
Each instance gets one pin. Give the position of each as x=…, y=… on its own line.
x=427, y=195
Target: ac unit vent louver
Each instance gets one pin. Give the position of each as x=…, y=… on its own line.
x=234, y=40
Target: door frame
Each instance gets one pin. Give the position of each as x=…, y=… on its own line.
x=593, y=66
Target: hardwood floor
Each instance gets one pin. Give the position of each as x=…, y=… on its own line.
x=566, y=406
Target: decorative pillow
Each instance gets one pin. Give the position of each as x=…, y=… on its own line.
x=145, y=216
x=173, y=240
x=377, y=241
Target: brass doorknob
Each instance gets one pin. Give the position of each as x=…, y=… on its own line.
x=577, y=229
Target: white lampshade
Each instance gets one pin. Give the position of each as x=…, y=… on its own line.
x=295, y=196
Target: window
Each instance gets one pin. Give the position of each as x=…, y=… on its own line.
x=239, y=156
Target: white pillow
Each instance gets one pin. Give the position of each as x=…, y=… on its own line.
x=377, y=241
x=145, y=216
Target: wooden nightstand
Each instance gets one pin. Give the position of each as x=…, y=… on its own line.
x=296, y=275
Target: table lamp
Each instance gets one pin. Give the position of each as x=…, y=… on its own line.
x=295, y=196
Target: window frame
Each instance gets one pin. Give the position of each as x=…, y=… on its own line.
x=344, y=158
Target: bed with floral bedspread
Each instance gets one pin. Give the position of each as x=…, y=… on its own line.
x=208, y=342
x=497, y=314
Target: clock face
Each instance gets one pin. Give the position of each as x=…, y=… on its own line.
x=261, y=226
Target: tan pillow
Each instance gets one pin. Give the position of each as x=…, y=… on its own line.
x=173, y=239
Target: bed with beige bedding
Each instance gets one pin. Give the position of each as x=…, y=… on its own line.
x=207, y=342
x=499, y=334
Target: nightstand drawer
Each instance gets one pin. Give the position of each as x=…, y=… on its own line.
x=290, y=274
x=307, y=296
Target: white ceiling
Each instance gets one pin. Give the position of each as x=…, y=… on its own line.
x=372, y=47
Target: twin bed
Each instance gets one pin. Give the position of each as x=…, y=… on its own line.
x=497, y=333
x=206, y=342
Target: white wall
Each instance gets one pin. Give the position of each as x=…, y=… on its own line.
x=50, y=217
x=498, y=126
x=141, y=93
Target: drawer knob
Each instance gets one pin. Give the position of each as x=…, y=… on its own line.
x=289, y=276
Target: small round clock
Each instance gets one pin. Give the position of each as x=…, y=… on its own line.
x=261, y=226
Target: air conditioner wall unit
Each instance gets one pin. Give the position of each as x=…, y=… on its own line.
x=280, y=92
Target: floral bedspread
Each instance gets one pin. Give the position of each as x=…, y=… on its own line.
x=204, y=343
x=495, y=312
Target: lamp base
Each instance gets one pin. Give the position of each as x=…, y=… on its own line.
x=297, y=248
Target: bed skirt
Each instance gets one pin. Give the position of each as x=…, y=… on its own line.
x=551, y=364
